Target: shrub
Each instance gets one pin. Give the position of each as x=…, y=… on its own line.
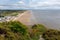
x=37, y=30
x=41, y=28
x=51, y=35
x=18, y=27
x=14, y=30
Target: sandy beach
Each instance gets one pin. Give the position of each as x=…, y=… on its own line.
x=24, y=18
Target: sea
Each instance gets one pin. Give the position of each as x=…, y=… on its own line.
x=49, y=18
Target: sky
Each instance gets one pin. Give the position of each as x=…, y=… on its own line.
x=29, y=4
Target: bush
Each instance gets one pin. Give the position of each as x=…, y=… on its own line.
x=14, y=30
x=41, y=28
x=37, y=30
x=18, y=27
x=51, y=35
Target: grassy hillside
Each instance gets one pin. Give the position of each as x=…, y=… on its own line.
x=14, y=30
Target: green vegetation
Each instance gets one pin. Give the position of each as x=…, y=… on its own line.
x=37, y=30
x=51, y=35
x=10, y=12
x=41, y=28
x=14, y=30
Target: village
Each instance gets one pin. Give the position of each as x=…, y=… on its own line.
x=7, y=18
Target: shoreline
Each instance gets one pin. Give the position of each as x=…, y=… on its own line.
x=24, y=18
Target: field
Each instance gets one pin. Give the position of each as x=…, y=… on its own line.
x=10, y=12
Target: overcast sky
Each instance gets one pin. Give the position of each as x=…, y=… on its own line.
x=29, y=4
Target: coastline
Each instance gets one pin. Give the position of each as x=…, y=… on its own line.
x=24, y=18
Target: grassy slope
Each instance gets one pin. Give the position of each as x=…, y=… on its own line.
x=15, y=30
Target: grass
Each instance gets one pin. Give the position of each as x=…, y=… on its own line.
x=14, y=30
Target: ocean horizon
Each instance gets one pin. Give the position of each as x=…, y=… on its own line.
x=49, y=18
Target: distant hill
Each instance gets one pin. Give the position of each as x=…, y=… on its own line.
x=10, y=12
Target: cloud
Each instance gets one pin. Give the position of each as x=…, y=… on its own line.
x=30, y=4
x=45, y=4
x=1, y=7
x=21, y=2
